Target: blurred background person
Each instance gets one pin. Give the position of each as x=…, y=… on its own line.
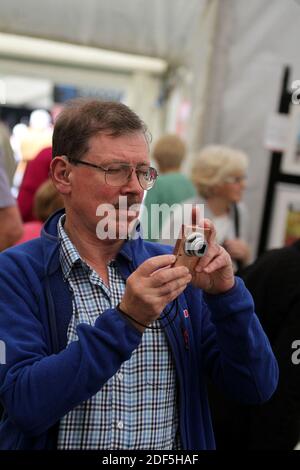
x=7, y=153
x=18, y=132
x=274, y=282
x=219, y=175
x=36, y=173
x=10, y=220
x=30, y=140
x=171, y=187
x=38, y=135
x=46, y=201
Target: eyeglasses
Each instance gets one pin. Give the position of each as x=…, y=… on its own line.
x=117, y=174
x=235, y=179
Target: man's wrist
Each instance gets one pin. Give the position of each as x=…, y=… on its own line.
x=138, y=325
x=227, y=290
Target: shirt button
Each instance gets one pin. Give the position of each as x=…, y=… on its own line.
x=120, y=425
x=120, y=376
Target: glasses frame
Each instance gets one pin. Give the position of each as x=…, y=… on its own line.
x=235, y=179
x=105, y=170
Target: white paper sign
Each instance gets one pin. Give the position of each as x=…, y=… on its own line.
x=276, y=132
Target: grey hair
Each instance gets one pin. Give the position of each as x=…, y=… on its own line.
x=214, y=164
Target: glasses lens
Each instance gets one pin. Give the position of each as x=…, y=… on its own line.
x=147, y=177
x=117, y=175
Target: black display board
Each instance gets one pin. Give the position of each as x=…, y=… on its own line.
x=275, y=173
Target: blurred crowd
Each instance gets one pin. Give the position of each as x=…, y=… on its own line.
x=27, y=195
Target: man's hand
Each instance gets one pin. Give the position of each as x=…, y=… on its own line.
x=213, y=272
x=151, y=287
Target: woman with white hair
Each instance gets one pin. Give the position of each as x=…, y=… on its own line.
x=219, y=175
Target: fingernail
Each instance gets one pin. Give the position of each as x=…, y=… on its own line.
x=198, y=269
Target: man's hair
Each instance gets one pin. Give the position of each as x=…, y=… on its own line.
x=213, y=164
x=169, y=151
x=82, y=119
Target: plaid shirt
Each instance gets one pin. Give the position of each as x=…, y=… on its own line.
x=137, y=407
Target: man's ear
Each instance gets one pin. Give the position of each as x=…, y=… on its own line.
x=60, y=170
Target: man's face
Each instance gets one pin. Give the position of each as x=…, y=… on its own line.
x=89, y=188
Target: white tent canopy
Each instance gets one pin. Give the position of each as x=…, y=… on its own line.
x=156, y=28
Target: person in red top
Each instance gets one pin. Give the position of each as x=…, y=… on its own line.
x=37, y=171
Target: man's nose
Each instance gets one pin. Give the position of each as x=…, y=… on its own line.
x=132, y=184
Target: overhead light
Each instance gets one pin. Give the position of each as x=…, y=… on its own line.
x=43, y=50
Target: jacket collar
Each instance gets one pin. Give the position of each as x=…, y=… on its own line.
x=133, y=250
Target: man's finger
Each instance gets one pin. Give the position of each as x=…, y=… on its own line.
x=209, y=230
x=205, y=224
x=213, y=252
x=163, y=276
x=174, y=285
x=217, y=263
x=153, y=264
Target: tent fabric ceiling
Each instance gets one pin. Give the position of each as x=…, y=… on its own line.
x=156, y=28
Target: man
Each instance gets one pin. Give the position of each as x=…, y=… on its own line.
x=94, y=359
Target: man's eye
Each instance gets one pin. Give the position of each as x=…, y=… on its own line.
x=113, y=171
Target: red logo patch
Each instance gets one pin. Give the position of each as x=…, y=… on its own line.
x=186, y=313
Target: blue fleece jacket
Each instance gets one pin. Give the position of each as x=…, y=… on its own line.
x=43, y=378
